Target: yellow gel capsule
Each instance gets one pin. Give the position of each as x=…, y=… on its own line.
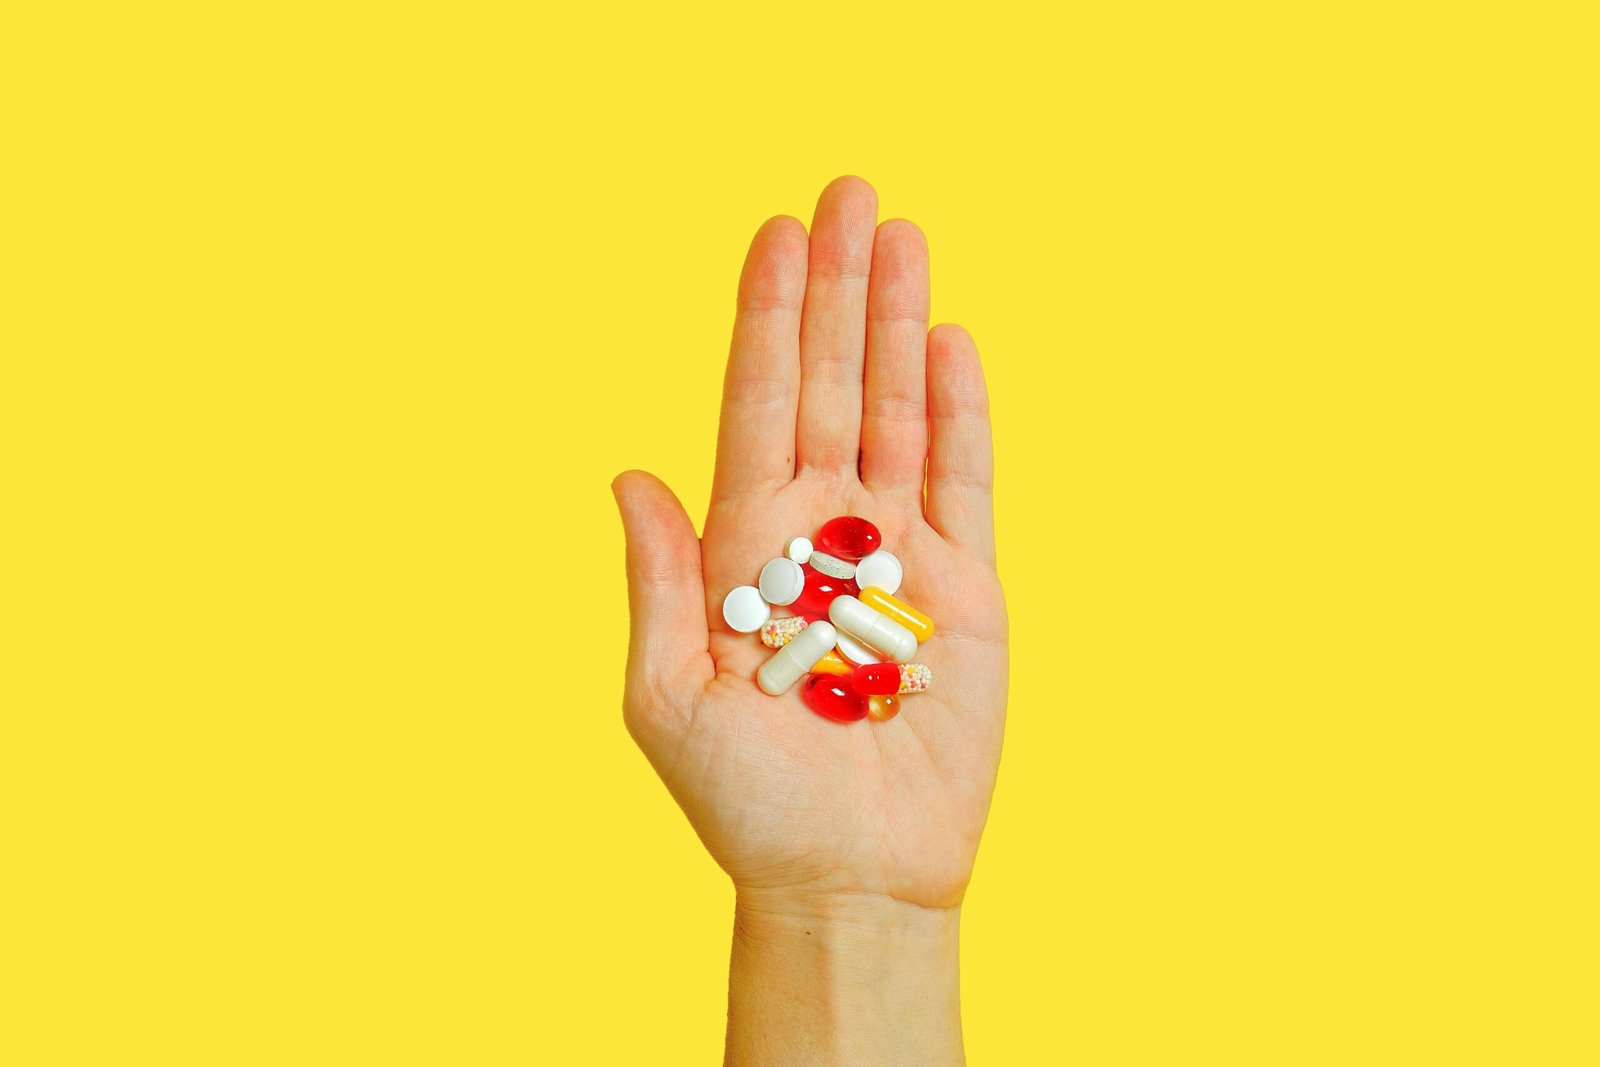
x=882, y=708
x=920, y=625
x=832, y=663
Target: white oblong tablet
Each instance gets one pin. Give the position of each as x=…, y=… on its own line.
x=798, y=549
x=832, y=566
x=855, y=651
x=785, y=666
x=878, y=632
x=881, y=569
x=745, y=611
x=781, y=582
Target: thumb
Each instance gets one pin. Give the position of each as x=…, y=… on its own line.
x=667, y=635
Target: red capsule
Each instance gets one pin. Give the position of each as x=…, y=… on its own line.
x=871, y=679
x=849, y=537
x=831, y=697
x=819, y=592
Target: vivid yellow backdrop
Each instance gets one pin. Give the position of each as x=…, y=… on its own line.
x=326, y=326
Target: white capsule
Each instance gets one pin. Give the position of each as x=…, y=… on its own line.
x=855, y=651
x=744, y=610
x=799, y=549
x=881, y=569
x=832, y=566
x=878, y=632
x=789, y=663
x=781, y=582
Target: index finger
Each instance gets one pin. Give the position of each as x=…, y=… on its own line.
x=761, y=387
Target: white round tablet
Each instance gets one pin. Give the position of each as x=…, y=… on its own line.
x=881, y=569
x=781, y=582
x=832, y=566
x=745, y=611
x=854, y=650
x=798, y=549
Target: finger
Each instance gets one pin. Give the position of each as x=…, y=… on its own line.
x=894, y=414
x=668, y=636
x=761, y=388
x=833, y=328
x=960, y=501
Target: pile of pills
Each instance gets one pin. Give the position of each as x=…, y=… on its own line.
x=849, y=635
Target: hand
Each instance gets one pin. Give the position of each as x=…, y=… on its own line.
x=831, y=362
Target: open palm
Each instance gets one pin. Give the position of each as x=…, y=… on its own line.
x=838, y=400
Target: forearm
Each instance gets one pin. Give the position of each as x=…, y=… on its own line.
x=843, y=979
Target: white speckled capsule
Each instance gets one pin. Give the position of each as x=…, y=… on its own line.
x=780, y=632
x=832, y=566
x=915, y=677
x=794, y=659
x=871, y=629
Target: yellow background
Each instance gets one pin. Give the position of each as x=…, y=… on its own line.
x=326, y=327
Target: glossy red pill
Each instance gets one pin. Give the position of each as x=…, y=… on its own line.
x=849, y=537
x=819, y=592
x=830, y=696
x=871, y=679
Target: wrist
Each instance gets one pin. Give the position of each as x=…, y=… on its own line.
x=843, y=977
x=848, y=918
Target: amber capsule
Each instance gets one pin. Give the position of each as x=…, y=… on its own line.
x=883, y=707
x=920, y=625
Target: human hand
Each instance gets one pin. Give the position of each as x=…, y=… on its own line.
x=831, y=360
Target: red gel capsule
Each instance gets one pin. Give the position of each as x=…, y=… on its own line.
x=831, y=697
x=819, y=592
x=876, y=679
x=849, y=537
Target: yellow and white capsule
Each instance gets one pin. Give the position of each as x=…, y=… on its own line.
x=833, y=663
x=920, y=625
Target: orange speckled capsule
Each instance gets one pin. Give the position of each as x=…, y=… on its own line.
x=883, y=708
x=920, y=625
x=833, y=663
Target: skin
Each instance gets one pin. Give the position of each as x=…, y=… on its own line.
x=849, y=845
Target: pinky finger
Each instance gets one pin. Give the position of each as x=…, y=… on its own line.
x=960, y=502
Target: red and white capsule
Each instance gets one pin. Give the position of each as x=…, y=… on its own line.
x=888, y=679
